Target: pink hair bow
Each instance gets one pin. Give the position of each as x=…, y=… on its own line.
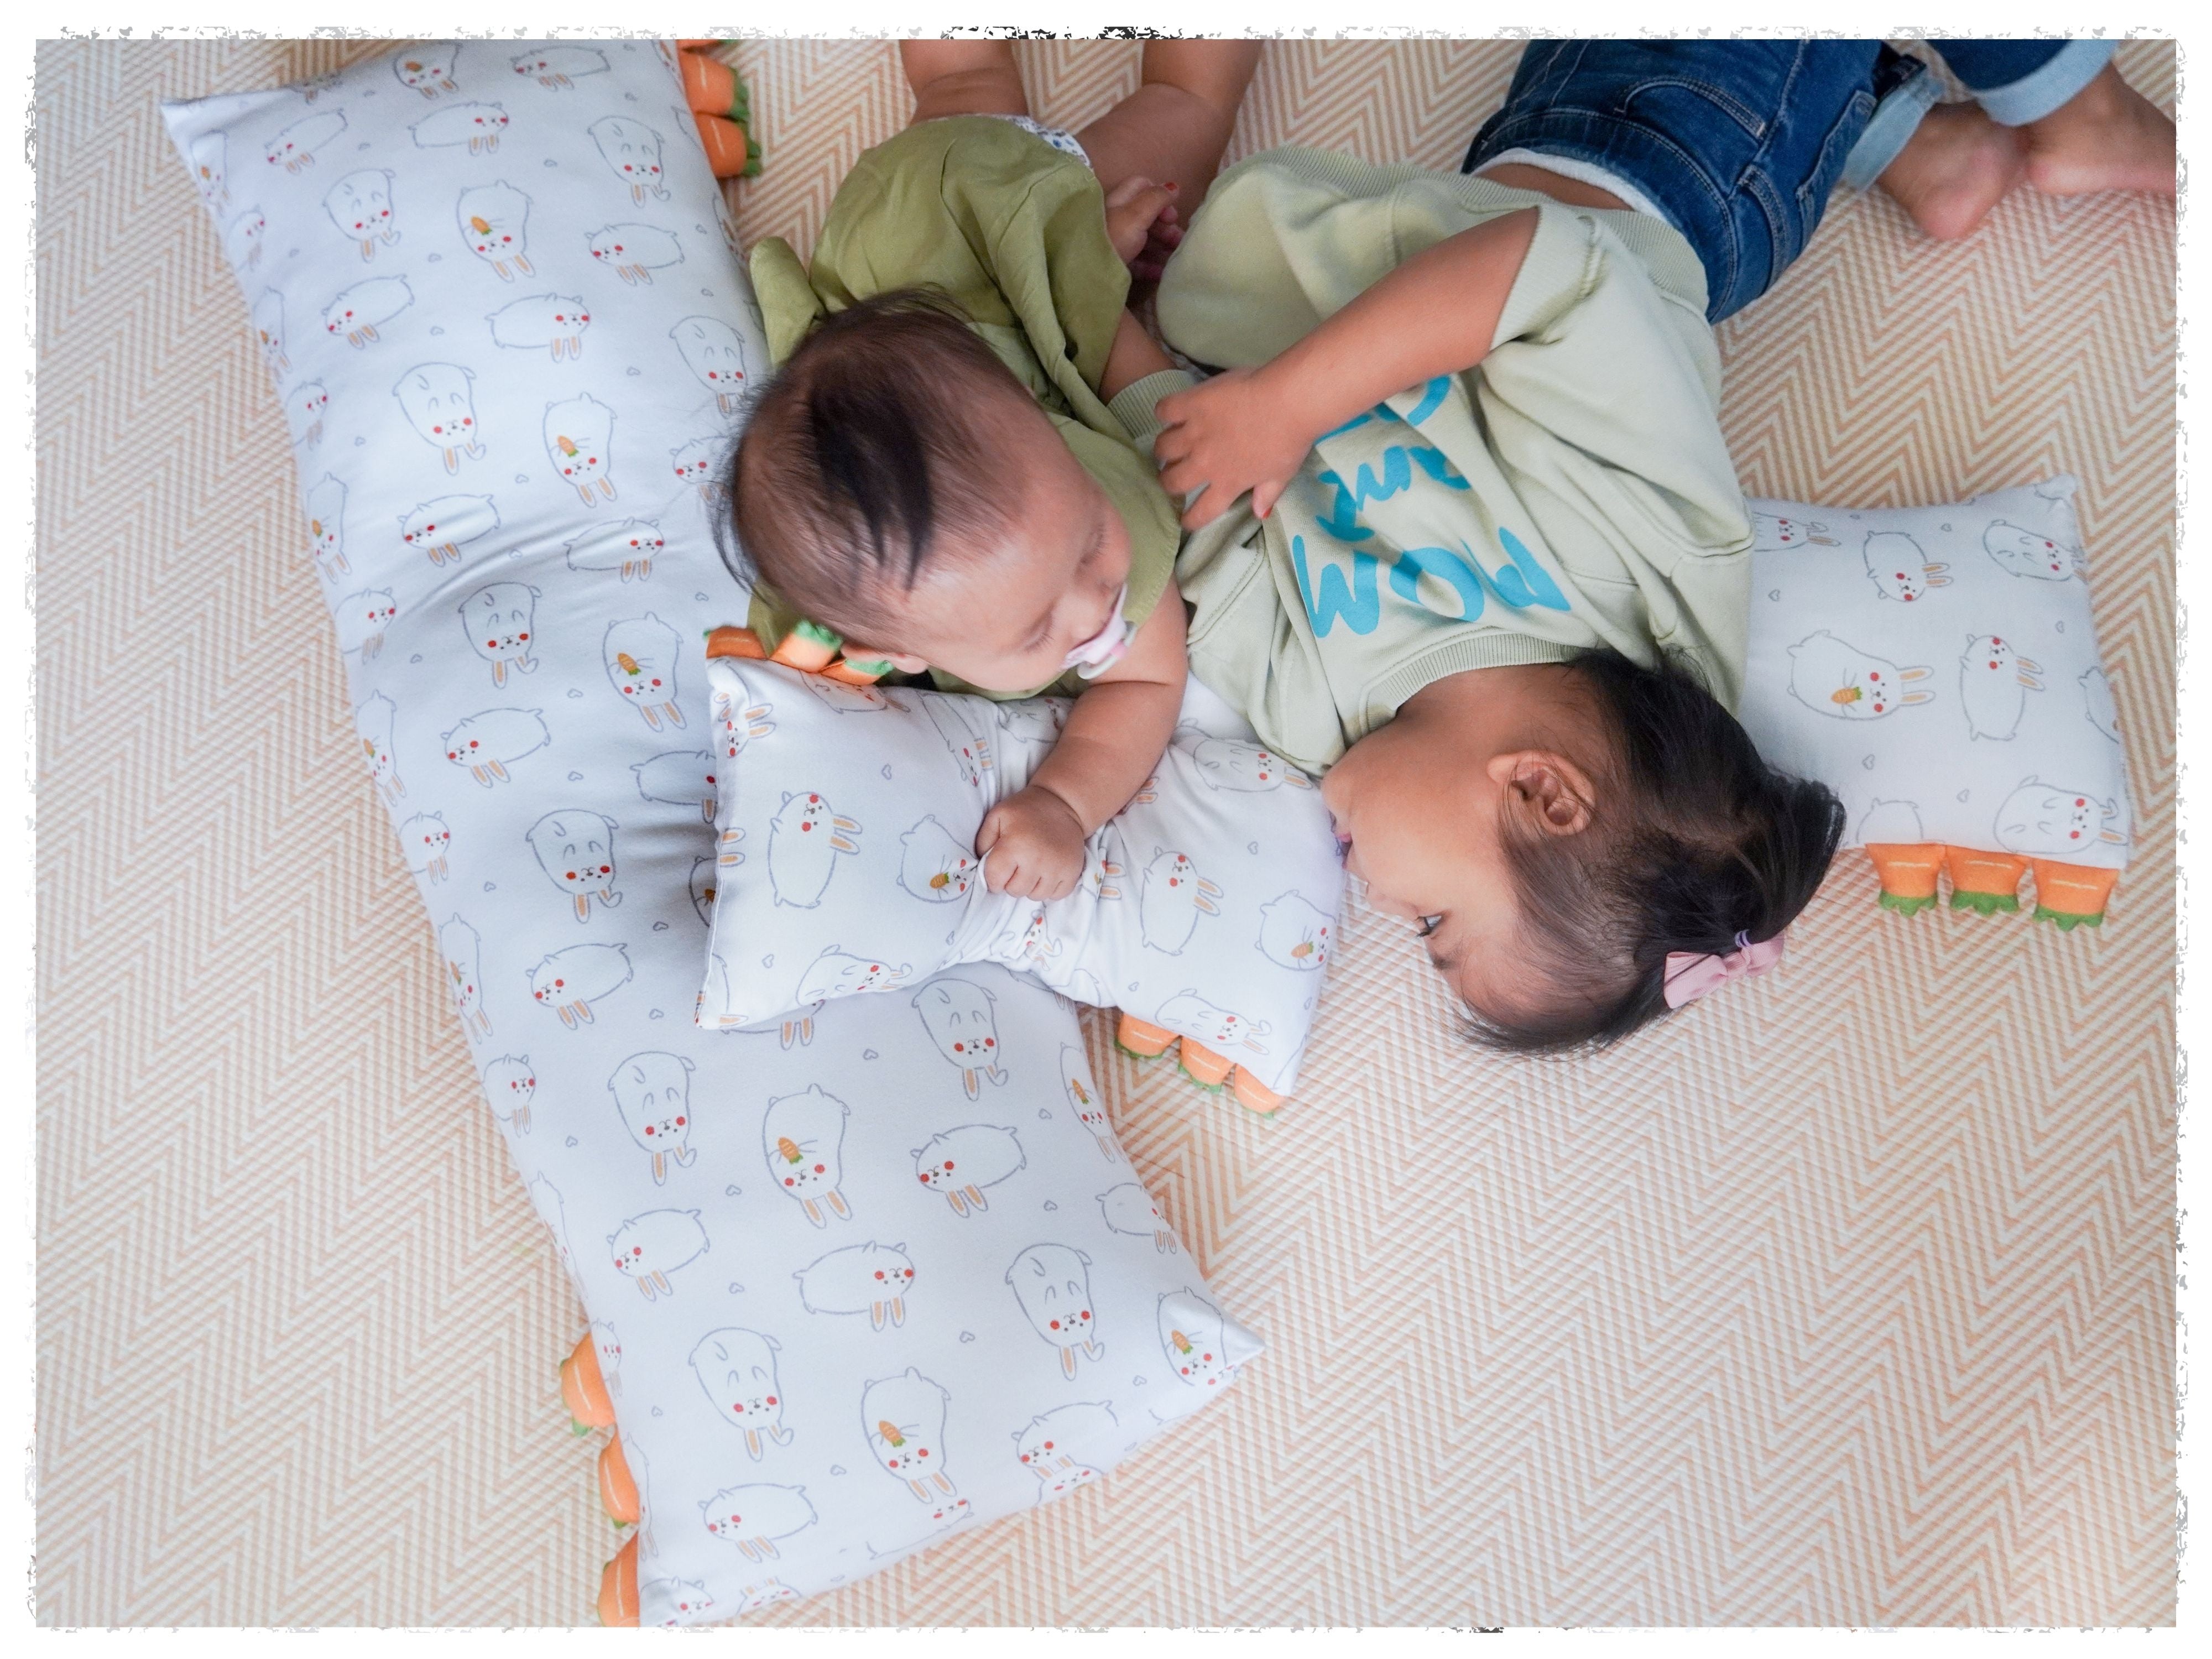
x=1691, y=974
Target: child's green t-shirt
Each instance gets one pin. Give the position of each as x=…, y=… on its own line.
x=1015, y=232
x=1571, y=490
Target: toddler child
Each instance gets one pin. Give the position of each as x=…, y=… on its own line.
x=1493, y=573
x=933, y=473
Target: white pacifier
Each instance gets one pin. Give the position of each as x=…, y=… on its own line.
x=1107, y=646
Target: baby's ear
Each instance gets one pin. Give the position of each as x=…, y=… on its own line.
x=1553, y=793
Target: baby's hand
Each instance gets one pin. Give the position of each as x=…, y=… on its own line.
x=1035, y=843
x=1142, y=224
x=1229, y=435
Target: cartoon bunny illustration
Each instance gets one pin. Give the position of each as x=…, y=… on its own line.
x=631, y=150
x=652, y=1093
x=361, y=619
x=702, y=891
x=2097, y=703
x=360, y=207
x=961, y=1162
x=490, y=741
x=579, y=441
x=427, y=68
x=1833, y=676
x=715, y=355
x=1082, y=1096
x=1773, y=533
x=935, y=867
x=754, y=1516
x=648, y=1247
x=356, y=310
x=242, y=239
x=736, y=1369
x=629, y=547
x=494, y=221
x=209, y=171
x=938, y=1520
x=326, y=525
x=903, y=1417
x=269, y=328
x=1245, y=767
x=636, y=252
x=805, y=840
x=559, y=65
x=751, y=1598
x=476, y=125
x=870, y=1278
x=2025, y=553
x=440, y=404
x=678, y=778
x=1994, y=681
x=1065, y=1447
x=1898, y=568
x=511, y=1083
x=1029, y=944
x=545, y=1198
x=295, y=146
x=1193, y=1016
x=971, y=752
x=802, y=1142
x=441, y=527
x=961, y=1020
x=729, y=856
x=741, y=720
x=460, y=947
x=2044, y=821
x=1052, y=1283
x=575, y=848
x=497, y=621
x=372, y=722
x=1295, y=933
x=1891, y=823
x=699, y=462
x=303, y=408
x=686, y=1598
x=845, y=699
x=569, y=982
x=1174, y=896
x=837, y=973
x=1129, y=1208
x=424, y=839
x=542, y=322
x=1194, y=1338
x=608, y=1347
x=1034, y=720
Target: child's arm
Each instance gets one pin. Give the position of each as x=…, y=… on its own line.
x=1251, y=428
x=1114, y=736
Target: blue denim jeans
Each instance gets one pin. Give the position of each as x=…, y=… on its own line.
x=1739, y=142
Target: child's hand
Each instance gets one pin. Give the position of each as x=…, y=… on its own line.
x=1035, y=843
x=1142, y=224
x=1229, y=435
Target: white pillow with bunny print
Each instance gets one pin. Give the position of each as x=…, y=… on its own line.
x=1937, y=667
x=847, y=817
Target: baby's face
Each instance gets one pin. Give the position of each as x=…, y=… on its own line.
x=1005, y=615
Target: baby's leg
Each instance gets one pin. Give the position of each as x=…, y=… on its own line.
x=961, y=77
x=1173, y=129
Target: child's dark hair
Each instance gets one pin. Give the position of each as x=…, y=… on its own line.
x=1695, y=841
x=858, y=464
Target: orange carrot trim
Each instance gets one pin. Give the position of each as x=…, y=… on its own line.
x=1253, y=1095
x=619, y=1588
x=735, y=643
x=1203, y=1067
x=1984, y=882
x=1908, y=873
x=618, y=1489
x=1142, y=1038
x=583, y=1390
x=2072, y=895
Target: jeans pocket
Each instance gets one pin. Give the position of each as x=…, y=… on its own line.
x=1828, y=167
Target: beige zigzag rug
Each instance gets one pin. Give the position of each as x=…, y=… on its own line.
x=1848, y=1300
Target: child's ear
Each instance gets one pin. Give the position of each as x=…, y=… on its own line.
x=1549, y=790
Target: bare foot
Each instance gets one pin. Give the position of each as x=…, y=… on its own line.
x=1958, y=165
x=2108, y=137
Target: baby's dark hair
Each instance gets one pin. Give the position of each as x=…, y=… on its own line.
x=862, y=463
x=1695, y=841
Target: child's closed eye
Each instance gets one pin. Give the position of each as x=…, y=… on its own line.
x=1430, y=924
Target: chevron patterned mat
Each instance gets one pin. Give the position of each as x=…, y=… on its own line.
x=1850, y=1299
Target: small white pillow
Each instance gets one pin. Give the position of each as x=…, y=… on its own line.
x=847, y=817
x=1937, y=667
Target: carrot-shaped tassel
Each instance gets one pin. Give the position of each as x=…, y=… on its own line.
x=2071, y=894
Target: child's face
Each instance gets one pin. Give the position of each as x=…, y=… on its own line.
x=1004, y=614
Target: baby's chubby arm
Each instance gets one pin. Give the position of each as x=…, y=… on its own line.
x=1116, y=733
x=1251, y=428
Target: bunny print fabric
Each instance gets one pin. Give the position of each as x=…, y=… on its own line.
x=1937, y=667
x=847, y=864
x=851, y=1295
